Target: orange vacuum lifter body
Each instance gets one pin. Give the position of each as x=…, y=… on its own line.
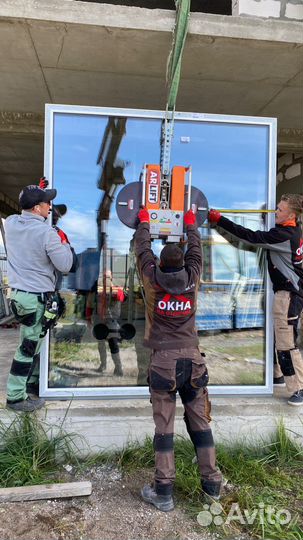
x=164, y=201
x=166, y=198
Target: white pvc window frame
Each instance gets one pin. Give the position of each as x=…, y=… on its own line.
x=127, y=392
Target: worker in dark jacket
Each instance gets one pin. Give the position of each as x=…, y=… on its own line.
x=176, y=363
x=35, y=253
x=284, y=256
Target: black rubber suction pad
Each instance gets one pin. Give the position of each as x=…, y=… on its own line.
x=127, y=331
x=198, y=199
x=128, y=203
x=100, y=331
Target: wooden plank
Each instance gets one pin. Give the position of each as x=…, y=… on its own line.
x=45, y=491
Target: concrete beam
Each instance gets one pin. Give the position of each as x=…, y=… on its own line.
x=21, y=122
x=73, y=52
x=69, y=11
x=290, y=140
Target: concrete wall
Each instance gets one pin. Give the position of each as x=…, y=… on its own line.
x=280, y=9
x=289, y=174
x=112, y=424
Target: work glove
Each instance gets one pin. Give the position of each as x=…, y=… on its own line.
x=214, y=216
x=143, y=215
x=63, y=236
x=120, y=295
x=189, y=218
x=43, y=183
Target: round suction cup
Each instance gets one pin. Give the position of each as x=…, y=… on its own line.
x=198, y=203
x=127, y=331
x=100, y=331
x=128, y=204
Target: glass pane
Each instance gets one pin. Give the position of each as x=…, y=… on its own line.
x=94, y=157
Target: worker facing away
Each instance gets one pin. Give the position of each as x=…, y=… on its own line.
x=176, y=363
x=35, y=253
x=284, y=256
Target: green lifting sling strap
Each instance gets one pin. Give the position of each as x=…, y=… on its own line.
x=173, y=73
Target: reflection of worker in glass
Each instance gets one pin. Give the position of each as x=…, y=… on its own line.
x=283, y=244
x=109, y=314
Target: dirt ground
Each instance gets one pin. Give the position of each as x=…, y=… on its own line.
x=114, y=511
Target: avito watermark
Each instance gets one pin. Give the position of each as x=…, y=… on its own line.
x=214, y=513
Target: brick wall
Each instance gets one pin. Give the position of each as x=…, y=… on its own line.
x=280, y=9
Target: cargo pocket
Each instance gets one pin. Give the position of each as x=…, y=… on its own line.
x=25, y=314
x=295, y=308
x=199, y=375
x=162, y=372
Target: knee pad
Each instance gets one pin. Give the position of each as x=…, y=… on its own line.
x=163, y=443
x=28, y=347
x=202, y=439
x=113, y=345
x=285, y=362
x=20, y=368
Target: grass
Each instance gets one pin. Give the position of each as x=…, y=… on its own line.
x=30, y=452
x=69, y=352
x=260, y=476
x=254, y=350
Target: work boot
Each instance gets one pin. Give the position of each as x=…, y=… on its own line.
x=279, y=381
x=164, y=503
x=118, y=371
x=26, y=405
x=211, y=489
x=296, y=399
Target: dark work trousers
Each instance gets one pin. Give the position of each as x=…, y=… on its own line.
x=288, y=361
x=181, y=370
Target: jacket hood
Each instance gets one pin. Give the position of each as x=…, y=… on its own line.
x=174, y=282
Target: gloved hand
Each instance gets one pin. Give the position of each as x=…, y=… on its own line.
x=63, y=236
x=143, y=215
x=214, y=216
x=189, y=217
x=43, y=183
x=120, y=295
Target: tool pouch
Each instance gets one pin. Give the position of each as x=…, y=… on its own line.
x=51, y=313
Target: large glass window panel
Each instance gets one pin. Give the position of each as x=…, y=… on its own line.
x=91, y=154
